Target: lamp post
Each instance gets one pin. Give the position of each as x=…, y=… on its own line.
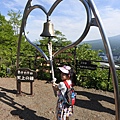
x=91, y=21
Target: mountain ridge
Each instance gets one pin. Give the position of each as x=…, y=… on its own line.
x=98, y=44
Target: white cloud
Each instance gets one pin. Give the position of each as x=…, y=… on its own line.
x=48, y=1
x=71, y=21
x=69, y=17
x=111, y=18
x=9, y=5
x=34, y=26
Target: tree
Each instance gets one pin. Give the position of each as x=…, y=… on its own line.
x=15, y=20
x=7, y=42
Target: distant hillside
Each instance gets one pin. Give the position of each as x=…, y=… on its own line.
x=114, y=43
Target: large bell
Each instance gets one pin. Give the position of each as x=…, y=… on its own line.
x=48, y=30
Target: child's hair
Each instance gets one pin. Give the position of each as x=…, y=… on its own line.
x=68, y=71
x=73, y=76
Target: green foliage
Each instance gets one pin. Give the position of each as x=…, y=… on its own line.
x=92, y=78
x=97, y=79
x=7, y=45
x=31, y=58
x=15, y=20
x=84, y=52
x=2, y=70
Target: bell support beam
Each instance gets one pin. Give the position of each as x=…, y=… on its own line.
x=21, y=31
x=110, y=58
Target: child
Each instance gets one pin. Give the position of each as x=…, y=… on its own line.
x=63, y=110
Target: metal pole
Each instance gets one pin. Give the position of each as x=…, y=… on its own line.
x=21, y=31
x=110, y=58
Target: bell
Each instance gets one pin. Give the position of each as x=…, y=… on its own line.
x=48, y=30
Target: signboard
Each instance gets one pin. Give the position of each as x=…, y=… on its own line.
x=84, y=64
x=25, y=75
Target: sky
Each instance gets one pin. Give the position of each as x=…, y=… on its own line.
x=69, y=17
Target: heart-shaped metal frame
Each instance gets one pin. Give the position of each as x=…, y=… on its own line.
x=29, y=8
x=96, y=21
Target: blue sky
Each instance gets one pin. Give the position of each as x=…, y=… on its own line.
x=69, y=17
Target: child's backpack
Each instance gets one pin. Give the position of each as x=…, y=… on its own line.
x=70, y=94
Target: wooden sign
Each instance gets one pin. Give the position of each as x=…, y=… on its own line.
x=25, y=74
x=84, y=64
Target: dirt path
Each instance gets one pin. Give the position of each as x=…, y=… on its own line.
x=90, y=105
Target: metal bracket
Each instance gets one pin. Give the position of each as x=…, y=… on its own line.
x=93, y=22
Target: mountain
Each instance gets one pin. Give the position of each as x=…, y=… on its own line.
x=114, y=43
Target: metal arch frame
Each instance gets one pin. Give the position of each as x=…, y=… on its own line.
x=96, y=21
x=110, y=57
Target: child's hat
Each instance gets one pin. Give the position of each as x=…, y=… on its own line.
x=65, y=69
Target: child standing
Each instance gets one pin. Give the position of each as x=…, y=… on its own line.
x=63, y=110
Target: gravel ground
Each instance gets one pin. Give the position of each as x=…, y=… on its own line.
x=91, y=104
